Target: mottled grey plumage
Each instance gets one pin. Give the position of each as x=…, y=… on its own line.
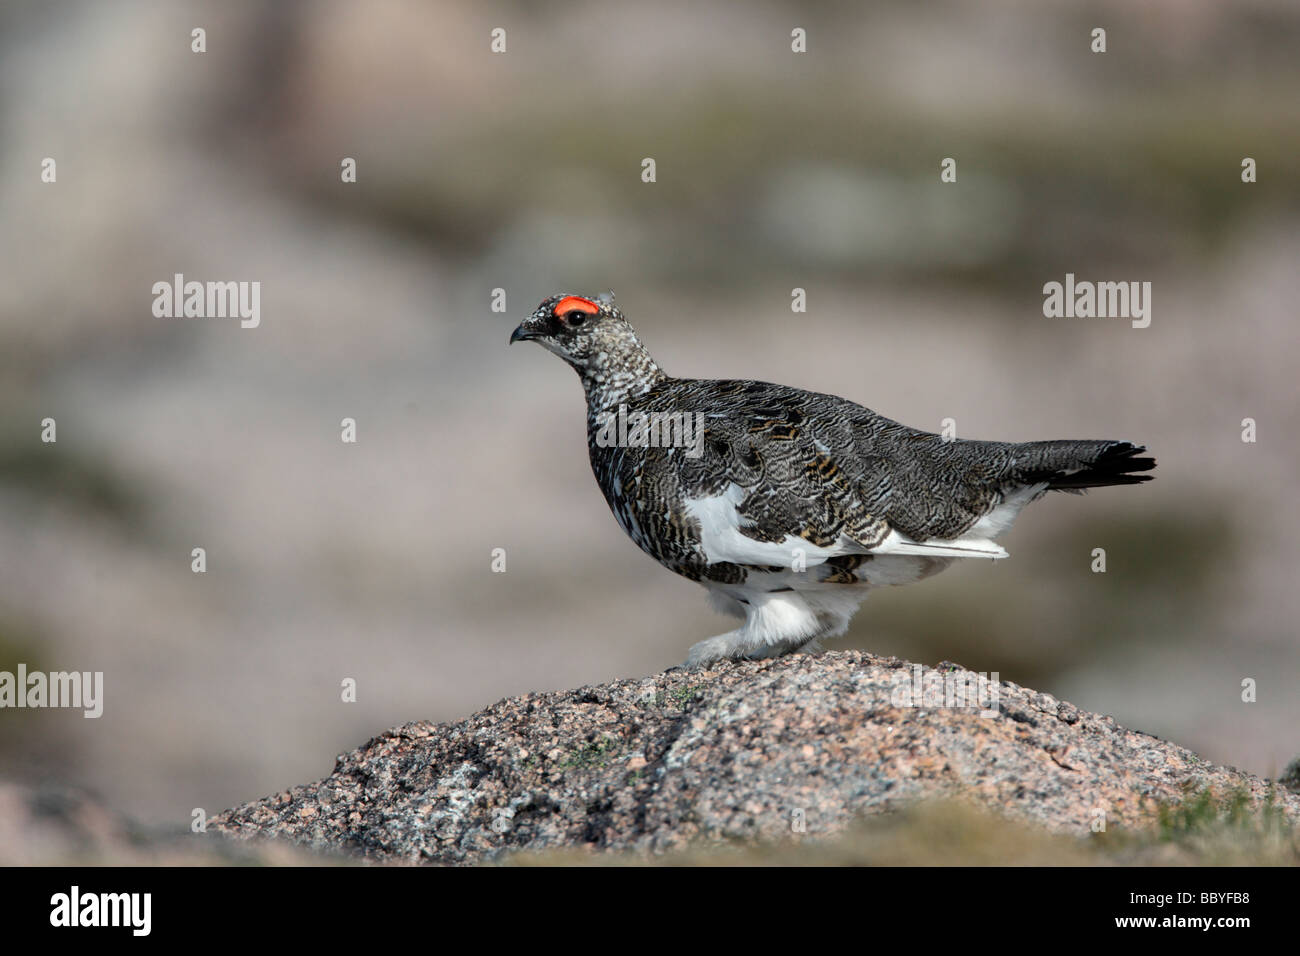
x=799, y=501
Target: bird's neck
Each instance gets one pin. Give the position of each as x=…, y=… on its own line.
x=617, y=380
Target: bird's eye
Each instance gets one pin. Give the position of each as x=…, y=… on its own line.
x=575, y=317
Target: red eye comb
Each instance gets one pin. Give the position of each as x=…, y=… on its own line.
x=571, y=302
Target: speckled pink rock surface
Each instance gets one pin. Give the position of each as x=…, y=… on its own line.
x=742, y=750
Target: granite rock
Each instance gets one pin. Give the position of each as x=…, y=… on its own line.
x=741, y=751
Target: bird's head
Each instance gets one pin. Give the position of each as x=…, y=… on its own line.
x=579, y=329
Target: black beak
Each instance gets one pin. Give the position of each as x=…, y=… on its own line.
x=521, y=334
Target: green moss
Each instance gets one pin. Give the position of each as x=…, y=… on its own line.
x=1209, y=828
x=594, y=754
x=681, y=698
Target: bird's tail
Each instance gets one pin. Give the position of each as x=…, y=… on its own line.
x=1076, y=465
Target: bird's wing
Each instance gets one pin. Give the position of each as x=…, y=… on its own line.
x=784, y=468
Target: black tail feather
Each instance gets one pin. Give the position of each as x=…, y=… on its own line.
x=1076, y=465
x=1114, y=466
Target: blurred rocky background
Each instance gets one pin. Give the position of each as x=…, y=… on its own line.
x=522, y=171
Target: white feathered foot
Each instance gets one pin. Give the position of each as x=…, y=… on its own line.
x=777, y=622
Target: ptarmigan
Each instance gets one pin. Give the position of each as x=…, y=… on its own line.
x=790, y=505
